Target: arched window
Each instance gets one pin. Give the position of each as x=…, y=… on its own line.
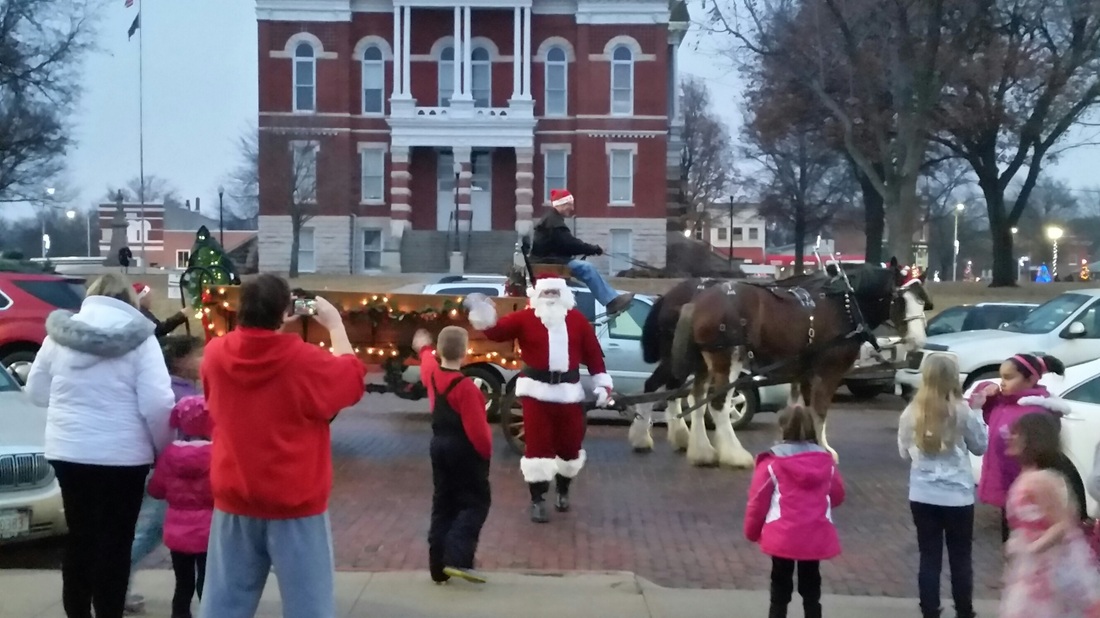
x=557, y=72
x=374, y=79
x=305, y=78
x=622, y=81
x=446, y=76
x=481, y=82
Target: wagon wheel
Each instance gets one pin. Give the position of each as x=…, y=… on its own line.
x=511, y=417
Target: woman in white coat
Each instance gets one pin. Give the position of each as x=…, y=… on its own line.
x=101, y=376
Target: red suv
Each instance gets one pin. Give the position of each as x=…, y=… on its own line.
x=25, y=301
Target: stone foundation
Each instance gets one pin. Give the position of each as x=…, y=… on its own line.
x=648, y=238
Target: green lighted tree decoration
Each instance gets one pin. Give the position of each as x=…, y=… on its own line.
x=209, y=265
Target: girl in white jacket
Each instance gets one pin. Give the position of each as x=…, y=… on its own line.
x=101, y=376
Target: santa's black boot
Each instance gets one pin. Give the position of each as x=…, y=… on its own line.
x=539, y=514
x=561, y=483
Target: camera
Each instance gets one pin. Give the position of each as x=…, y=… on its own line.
x=305, y=306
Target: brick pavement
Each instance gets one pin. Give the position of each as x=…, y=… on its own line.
x=652, y=514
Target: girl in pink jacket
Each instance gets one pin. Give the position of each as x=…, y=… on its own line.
x=794, y=489
x=182, y=478
x=1002, y=404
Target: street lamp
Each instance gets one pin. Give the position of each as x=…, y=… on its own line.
x=221, y=215
x=45, y=238
x=959, y=208
x=1054, y=233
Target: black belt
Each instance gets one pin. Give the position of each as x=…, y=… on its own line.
x=553, y=377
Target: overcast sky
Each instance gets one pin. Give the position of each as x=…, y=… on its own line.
x=200, y=95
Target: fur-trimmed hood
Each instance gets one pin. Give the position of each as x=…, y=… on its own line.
x=103, y=328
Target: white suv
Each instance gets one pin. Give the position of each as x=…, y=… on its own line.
x=1067, y=326
x=30, y=498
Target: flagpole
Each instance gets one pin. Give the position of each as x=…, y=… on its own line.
x=143, y=229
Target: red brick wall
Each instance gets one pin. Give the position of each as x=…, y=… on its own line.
x=504, y=189
x=422, y=166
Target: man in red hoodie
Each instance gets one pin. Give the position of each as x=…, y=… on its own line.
x=271, y=398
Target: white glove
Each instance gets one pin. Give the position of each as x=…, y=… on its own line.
x=603, y=397
x=481, y=311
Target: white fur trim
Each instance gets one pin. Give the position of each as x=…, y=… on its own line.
x=557, y=336
x=563, y=201
x=538, y=469
x=571, y=468
x=602, y=380
x=566, y=392
x=482, y=315
x=1053, y=404
x=553, y=283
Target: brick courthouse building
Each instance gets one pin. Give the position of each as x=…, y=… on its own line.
x=390, y=119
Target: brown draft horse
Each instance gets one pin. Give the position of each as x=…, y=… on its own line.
x=802, y=328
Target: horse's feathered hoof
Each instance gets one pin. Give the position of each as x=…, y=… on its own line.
x=702, y=458
x=740, y=460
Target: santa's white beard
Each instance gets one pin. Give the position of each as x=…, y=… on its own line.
x=550, y=311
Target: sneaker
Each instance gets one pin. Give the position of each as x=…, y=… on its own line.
x=135, y=605
x=467, y=574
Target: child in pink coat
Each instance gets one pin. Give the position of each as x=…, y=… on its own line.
x=794, y=489
x=1002, y=404
x=182, y=478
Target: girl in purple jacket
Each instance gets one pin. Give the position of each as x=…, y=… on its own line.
x=182, y=479
x=790, y=511
x=1002, y=404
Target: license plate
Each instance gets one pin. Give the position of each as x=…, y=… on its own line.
x=14, y=524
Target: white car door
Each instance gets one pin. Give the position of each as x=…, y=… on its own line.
x=1081, y=430
x=621, y=339
x=1081, y=348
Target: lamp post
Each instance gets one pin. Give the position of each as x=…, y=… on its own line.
x=1054, y=233
x=959, y=208
x=46, y=239
x=221, y=216
x=730, y=236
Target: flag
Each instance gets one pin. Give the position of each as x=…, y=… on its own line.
x=129, y=3
x=133, y=27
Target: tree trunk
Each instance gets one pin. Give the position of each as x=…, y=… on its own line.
x=800, y=238
x=874, y=222
x=902, y=219
x=295, y=236
x=1000, y=230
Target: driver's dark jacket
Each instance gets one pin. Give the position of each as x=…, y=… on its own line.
x=553, y=242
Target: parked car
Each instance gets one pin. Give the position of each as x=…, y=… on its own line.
x=979, y=316
x=621, y=342
x=25, y=301
x=1066, y=326
x=30, y=498
x=1081, y=429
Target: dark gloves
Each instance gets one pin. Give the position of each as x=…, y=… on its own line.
x=599, y=250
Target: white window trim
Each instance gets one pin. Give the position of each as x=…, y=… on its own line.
x=543, y=150
x=387, y=57
x=633, y=65
x=363, y=248
x=294, y=145
x=294, y=61
x=490, y=46
x=182, y=252
x=384, y=148
x=546, y=82
x=622, y=39
x=312, y=249
x=632, y=148
x=381, y=43
x=437, y=48
x=303, y=37
x=610, y=244
x=555, y=41
x=487, y=63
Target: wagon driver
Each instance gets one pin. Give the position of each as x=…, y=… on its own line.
x=555, y=339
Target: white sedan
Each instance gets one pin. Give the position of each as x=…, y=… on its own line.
x=1081, y=429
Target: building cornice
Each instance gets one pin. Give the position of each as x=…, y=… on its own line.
x=304, y=10
x=598, y=12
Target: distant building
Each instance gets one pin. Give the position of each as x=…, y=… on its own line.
x=166, y=233
x=745, y=235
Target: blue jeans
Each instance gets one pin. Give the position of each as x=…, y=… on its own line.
x=243, y=550
x=591, y=277
x=150, y=530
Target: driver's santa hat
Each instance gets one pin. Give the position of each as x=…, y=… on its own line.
x=910, y=275
x=560, y=197
x=141, y=290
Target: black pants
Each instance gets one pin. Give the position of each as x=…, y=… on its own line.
x=782, y=588
x=101, y=509
x=460, y=504
x=190, y=572
x=937, y=525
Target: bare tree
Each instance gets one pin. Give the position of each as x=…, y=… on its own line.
x=1032, y=73
x=301, y=193
x=157, y=190
x=243, y=183
x=42, y=43
x=877, y=67
x=706, y=161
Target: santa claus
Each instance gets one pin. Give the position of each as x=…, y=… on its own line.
x=555, y=339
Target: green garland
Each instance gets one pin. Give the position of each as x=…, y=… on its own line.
x=380, y=310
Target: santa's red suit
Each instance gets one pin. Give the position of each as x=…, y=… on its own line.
x=555, y=339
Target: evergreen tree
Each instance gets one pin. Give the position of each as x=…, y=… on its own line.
x=209, y=265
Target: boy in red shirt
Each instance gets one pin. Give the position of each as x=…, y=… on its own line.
x=461, y=447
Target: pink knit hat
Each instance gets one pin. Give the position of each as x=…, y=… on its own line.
x=191, y=418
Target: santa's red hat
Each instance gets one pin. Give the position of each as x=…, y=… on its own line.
x=560, y=197
x=141, y=290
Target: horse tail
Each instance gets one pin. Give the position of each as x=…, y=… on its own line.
x=684, y=349
x=651, y=333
